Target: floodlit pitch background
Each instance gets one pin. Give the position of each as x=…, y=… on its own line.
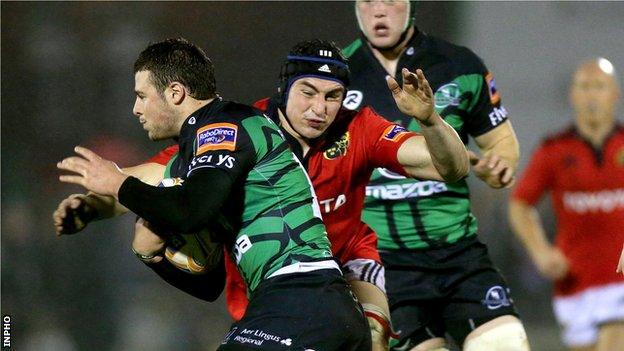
x=67, y=79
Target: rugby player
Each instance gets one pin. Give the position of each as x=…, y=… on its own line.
x=439, y=276
x=240, y=180
x=583, y=168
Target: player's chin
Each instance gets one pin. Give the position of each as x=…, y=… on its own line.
x=153, y=136
x=313, y=133
x=383, y=42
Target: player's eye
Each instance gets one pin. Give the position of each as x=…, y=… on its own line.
x=307, y=92
x=333, y=96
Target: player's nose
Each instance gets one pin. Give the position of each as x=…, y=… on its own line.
x=136, y=109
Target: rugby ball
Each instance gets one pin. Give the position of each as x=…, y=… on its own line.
x=195, y=253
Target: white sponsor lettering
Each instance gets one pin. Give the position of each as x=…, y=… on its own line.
x=404, y=191
x=221, y=160
x=244, y=340
x=599, y=201
x=327, y=207
x=498, y=115
x=242, y=245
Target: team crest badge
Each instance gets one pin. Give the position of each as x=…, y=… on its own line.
x=447, y=95
x=339, y=148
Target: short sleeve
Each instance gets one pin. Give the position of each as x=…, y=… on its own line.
x=383, y=140
x=484, y=111
x=164, y=155
x=537, y=177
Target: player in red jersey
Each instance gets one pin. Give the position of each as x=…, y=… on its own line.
x=340, y=148
x=583, y=167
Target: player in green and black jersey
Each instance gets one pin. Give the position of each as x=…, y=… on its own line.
x=242, y=182
x=427, y=233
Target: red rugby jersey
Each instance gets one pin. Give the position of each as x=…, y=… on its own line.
x=587, y=191
x=340, y=167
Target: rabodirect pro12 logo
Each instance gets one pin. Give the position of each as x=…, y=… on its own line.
x=217, y=136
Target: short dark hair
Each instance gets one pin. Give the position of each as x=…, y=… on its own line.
x=178, y=60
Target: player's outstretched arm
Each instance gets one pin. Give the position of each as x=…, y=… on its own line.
x=500, y=153
x=182, y=209
x=441, y=155
x=527, y=226
x=77, y=210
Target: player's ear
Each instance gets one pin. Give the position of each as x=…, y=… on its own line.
x=176, y=92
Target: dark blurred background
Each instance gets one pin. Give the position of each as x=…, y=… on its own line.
x=67, y=80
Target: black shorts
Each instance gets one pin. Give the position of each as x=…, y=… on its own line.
x=301, y=311
x=451, y=290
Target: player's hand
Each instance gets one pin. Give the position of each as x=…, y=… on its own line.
x=493, y=170
x=147, y=243
x=415, y=98
x=92, y=172
x=72, y=215
x=552, y=264
x=620, y=267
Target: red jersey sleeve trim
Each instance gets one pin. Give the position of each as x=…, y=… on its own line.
x=164, y=155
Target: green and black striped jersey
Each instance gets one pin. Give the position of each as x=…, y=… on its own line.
x=409, y=213
x=271, y=218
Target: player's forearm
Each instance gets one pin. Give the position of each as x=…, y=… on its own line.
x=103, y=207
x=526, y=224
x=448, y=153
x=507, y=148
x=179, y=209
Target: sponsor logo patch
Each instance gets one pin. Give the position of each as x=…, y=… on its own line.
x=353, y=99
x=216, y=136
x=325, y=68
x=583, y=202
x=339, y=148
x=498, y=115
x=494, y=96
x=447, y=95
x=394, y=133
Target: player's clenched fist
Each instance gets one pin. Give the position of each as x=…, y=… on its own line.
x=72, y=215
x=492, y=169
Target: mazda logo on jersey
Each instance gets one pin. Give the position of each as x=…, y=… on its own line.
x=353, y=99
x=339, y=148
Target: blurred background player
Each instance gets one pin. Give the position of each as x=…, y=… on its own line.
x=427, y=233
x=583, y=167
